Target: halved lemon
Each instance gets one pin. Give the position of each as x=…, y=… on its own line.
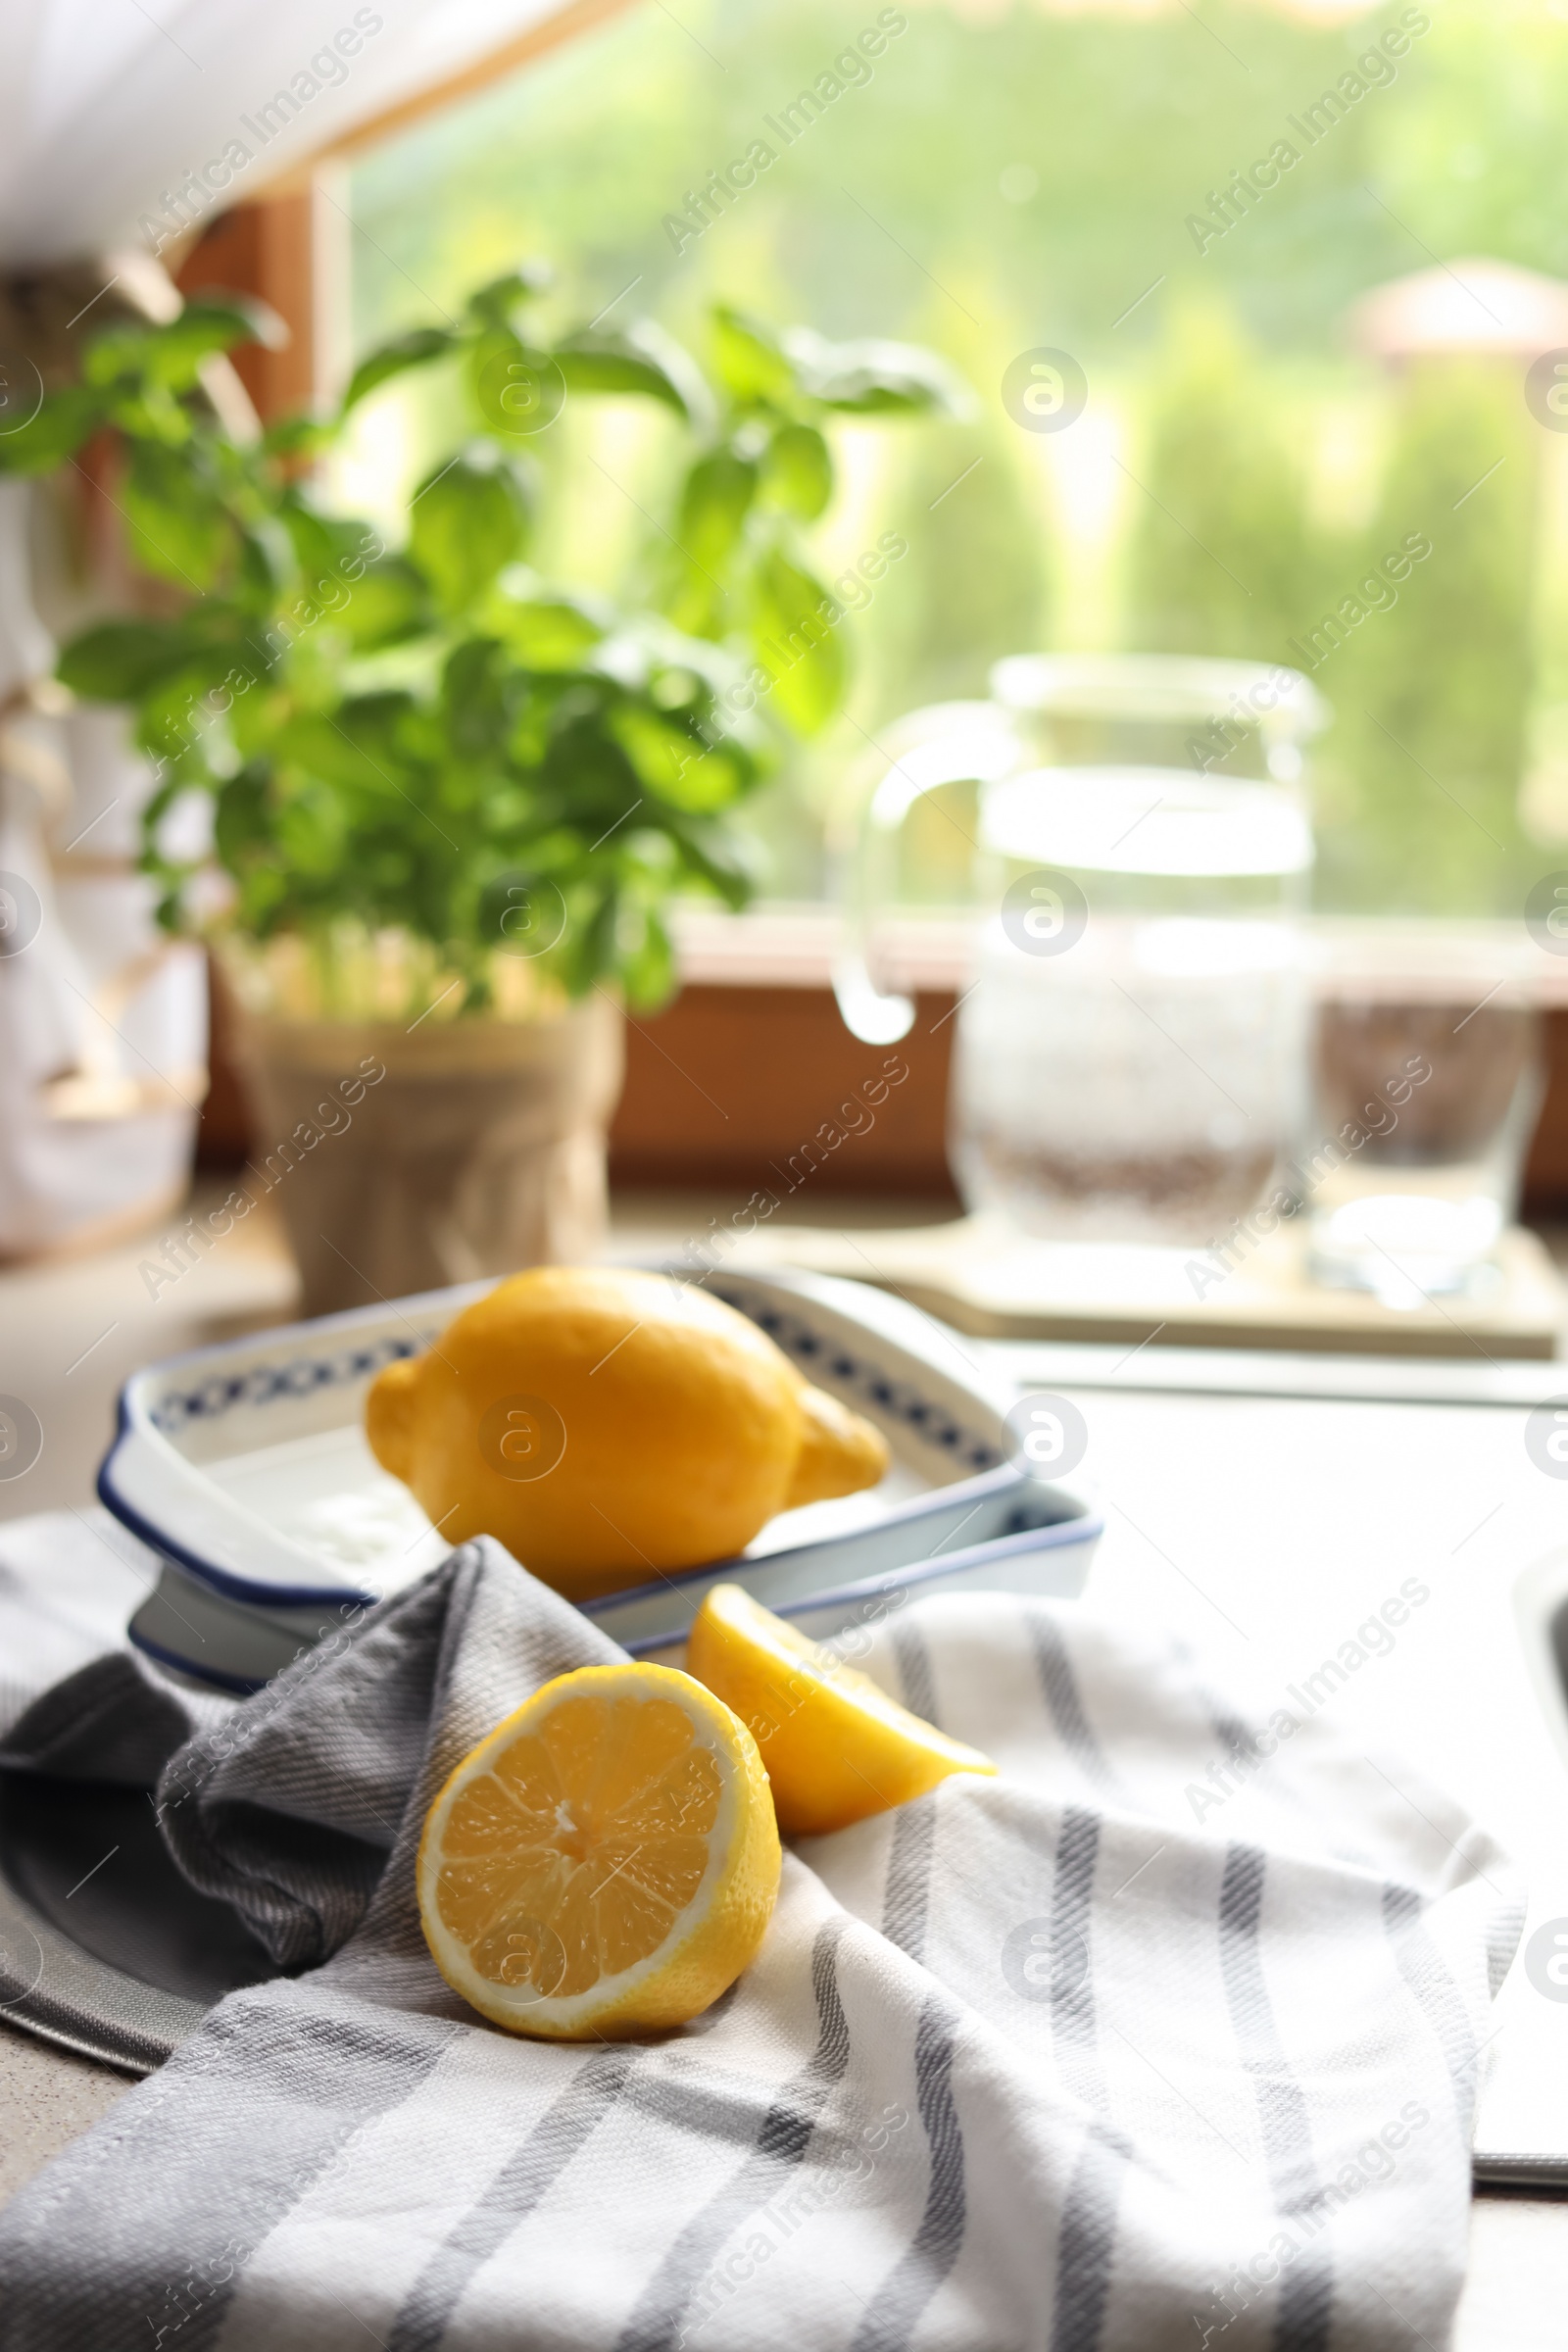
x=606, y=1862
x=836, y=1747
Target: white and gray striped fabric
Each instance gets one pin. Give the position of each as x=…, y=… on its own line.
x=1135, y=2046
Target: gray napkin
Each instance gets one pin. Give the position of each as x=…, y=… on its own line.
x=1169, y=2033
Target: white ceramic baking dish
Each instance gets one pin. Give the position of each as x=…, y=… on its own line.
x=245, y=1467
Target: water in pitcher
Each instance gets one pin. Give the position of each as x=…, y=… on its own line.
x=1129, y=1056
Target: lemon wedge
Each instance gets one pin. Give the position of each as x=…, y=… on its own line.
x=605, y=1863
x=836, y=1747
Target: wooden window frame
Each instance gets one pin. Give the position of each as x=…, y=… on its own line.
x=728, y=1086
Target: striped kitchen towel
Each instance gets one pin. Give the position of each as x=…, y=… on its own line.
x=1169, y=2036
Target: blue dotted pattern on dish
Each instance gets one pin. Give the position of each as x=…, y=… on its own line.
x=890, y=1396
x=267, y=1383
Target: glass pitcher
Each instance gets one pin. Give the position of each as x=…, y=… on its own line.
x=1129, y=1063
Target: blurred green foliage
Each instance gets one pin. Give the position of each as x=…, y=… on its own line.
x=1013, y=177
x=1434, y=691
x=1223, y=556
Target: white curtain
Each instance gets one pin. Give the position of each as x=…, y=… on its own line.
x=106, y=106
x=122, y=125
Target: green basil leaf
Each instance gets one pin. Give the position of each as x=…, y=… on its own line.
x=468, y=522
x=359, y=745
x=296, y=437
x=172, y=717
x=518, y=389
x=587, y=770
x=54, y=434
x=648, y=964
x=265, y=564
x=643, y=360
x=870, y=378
x=118, y=353
x=749, y=358
x=521, y=909
x=145, y=411
x=494, y=304
x=387, y=602
x=677, y=765
x=547, y=632
x=477, y=696
x=588, y=949
x=175, y=352
x=797, y=472
x=311, y=829
x=170, y=355
x=714, y=507
x=322, y=543
x=713, y=857
x=181, y=529
x=242, y=821
x=120, y=659
x=416, y=349
x=798, y=641
x=661, y=755
x=715, y=500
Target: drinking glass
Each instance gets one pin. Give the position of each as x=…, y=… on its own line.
x=1426, y=1064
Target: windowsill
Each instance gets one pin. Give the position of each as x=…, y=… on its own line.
x=796, y=944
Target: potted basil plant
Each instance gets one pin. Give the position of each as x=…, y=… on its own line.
x=450, y=802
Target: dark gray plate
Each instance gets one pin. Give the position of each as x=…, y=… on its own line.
x=103, y=1947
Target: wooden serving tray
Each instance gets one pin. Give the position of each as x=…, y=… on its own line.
x=979, y=1276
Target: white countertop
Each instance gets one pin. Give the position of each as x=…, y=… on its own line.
x=1265, y=1527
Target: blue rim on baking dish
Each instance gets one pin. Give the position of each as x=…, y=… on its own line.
x=212, y=1445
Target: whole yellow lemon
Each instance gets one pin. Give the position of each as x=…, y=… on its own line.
x=608, y=1425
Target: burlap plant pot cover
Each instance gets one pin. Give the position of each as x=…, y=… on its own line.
x=408, y=1158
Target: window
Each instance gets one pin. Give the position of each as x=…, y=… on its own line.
x=1190, y=204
